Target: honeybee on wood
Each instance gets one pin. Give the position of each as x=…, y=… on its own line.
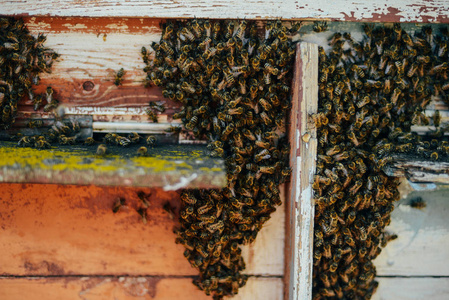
x=119, y=77
x=119, y=202
x=35, y=124
x=101, y=150
x=142, y=151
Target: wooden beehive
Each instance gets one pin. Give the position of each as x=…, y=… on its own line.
x=69, y=244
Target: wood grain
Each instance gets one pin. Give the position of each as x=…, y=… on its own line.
x=72, y=230
x=342, y=10
x=417, y=168
x=422, y=246
x=99, y=288
x=91, y=51
x=303, y=141
x=412, y=289
x=65, y=230
x=127, y=288
x=266, y=255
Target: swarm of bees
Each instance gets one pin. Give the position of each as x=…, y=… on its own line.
x=234, y=81
x=370, y=94
x=22, y=58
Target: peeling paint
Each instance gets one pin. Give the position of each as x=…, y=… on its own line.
x=338, y=10
x=183, y=182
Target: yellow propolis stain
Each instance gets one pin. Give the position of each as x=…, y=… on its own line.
x=77, y=159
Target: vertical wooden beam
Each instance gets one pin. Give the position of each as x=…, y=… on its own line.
x=303, y=141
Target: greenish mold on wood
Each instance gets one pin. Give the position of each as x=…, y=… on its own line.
x=170, y=167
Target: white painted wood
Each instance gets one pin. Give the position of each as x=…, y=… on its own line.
x=260, y=288
x=412, y=289
x=302, y=160
x=266, y=255
x=86, y=56
x=422, y=246
x=345, y=10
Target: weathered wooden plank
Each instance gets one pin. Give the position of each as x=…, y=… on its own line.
x=96, y=288
x=303, y=141
x=412, y=288
x=266, y=255
x=72, y=230
x=127, y=288
x=418, y=169
x=63, y=230
x=171, y=167
x=343, y=10
x=261, y=288
x=422, y=246
x=92, y=50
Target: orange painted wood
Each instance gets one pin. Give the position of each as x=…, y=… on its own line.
x=99, y=288
x=71, y=230
x=127, y=288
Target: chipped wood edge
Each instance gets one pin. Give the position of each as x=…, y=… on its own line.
x=339, y=10
x=300, y=210
x=417, y=168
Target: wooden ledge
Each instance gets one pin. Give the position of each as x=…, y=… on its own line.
x=418, y=169
x=170, y=167
x=434, y=11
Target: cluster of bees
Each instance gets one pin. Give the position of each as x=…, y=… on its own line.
x=22, y=58
x=234, y=81
x=63, y=132
x=124, y=141
x=370, y=94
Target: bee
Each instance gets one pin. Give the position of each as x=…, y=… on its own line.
x=320, y=26
x=143, y=214
x=35, y=123
x=101, y=150
x=134, y=137
x=436, y=118
x=158, y=106
x=89, y=141
x=170, y=210
x=188, y=198
x=64, y=140
x=119, y=202
x=151, y=140
x=264, y=154
x=119, y=77
x=142, y=151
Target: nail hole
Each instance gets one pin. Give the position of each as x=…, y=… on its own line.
x=88, y=85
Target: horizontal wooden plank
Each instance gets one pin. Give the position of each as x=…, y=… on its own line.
x=171, y=167
x=62, y=230
x=422, y=246
x=91, y=51
x=416, y=168
x=412, y=288
x=127, y=288
x=72, y=230
x=266, y=255
x=99, y=288
x=344, y=10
